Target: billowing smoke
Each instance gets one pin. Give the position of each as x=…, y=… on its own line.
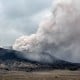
x=58, y=35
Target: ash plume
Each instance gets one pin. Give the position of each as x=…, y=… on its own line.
x=58, y=35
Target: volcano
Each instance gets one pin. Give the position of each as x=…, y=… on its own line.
x=9, y=60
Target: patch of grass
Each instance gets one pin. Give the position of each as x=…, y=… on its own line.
x=50, y=75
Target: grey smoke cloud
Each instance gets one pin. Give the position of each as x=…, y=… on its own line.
x=58, y=35
x=16, y=18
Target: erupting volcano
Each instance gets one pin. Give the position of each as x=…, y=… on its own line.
x=58, y=35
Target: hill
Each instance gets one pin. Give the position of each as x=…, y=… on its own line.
x=11, y=62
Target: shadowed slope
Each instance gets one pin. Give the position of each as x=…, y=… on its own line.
x=10, y=61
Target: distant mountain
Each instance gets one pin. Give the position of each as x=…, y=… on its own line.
x=10, y=61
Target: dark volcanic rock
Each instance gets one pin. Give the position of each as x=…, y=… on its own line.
x=10, y=61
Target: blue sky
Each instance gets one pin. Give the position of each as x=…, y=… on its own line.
x=20, y=17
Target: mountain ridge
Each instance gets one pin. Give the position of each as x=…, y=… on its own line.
x=10, y=61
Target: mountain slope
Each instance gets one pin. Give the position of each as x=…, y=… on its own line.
x=10, y=61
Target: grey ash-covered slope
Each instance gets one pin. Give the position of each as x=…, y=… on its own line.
x=10, y=61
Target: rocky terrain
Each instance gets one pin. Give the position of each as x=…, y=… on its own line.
x=9, y=61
